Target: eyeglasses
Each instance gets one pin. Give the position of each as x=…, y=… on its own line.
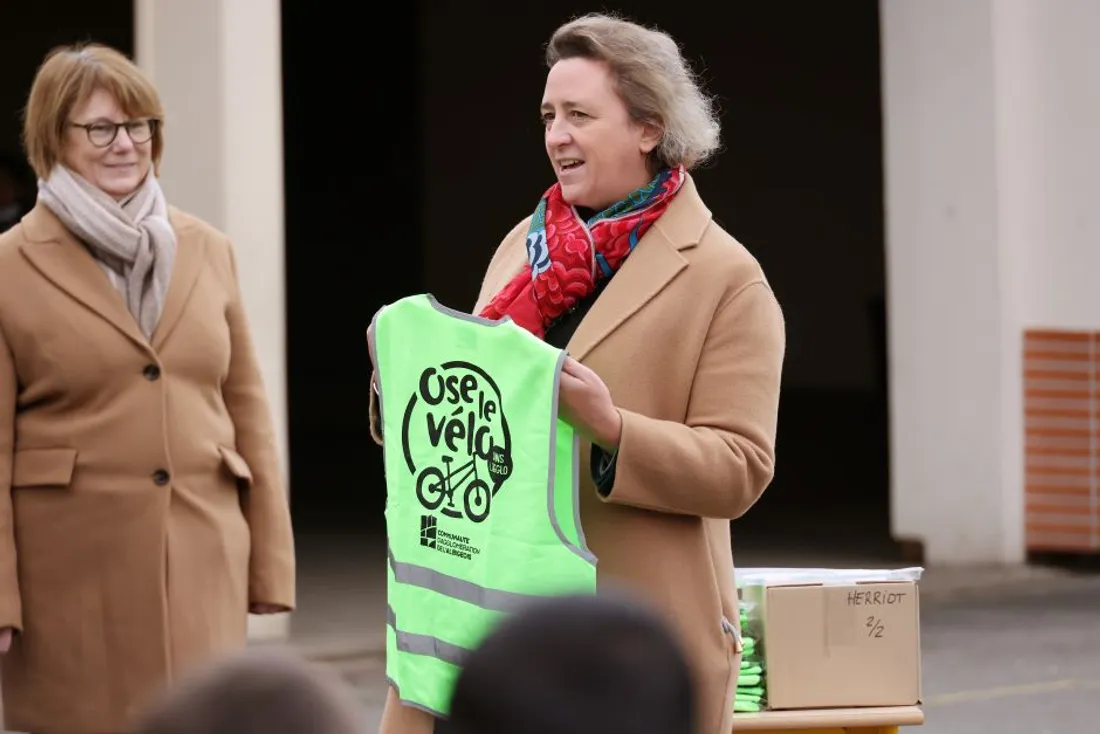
x=103, y=133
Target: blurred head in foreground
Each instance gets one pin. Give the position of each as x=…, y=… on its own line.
x=573, y=665
x=257, y=692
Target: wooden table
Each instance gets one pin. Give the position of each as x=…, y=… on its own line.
x=885, y=720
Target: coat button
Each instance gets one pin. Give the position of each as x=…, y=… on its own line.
x=151, y=372
x=160, y=477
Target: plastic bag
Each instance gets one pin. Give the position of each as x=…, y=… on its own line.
x=751, y=693
x=752, y=682
x=746, y=577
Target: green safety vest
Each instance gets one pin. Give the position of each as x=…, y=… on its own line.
x=482, y=509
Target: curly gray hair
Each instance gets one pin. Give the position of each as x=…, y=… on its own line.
x=653, y=79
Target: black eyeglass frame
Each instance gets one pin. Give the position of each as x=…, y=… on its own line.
x=130, y=126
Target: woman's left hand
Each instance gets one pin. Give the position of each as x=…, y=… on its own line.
x=585, y=403
x=264, y=608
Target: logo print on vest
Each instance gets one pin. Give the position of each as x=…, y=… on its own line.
x=457, y=408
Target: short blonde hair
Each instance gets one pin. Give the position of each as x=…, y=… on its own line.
x=654, y=80
x=68, y=76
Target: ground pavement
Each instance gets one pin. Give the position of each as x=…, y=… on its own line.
x=1005, y=650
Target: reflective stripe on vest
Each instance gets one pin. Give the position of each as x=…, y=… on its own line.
x=482, y=512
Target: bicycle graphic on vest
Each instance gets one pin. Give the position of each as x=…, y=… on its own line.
x=455, y=429
x=434, y=485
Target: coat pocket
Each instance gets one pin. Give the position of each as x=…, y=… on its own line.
x=33, y=468
x=237, y=466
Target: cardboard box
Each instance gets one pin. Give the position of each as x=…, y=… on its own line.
x=835, y=638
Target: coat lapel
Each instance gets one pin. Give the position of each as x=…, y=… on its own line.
x=655, y=262
x=190, y=256
x=651, y=267
x=66, y=263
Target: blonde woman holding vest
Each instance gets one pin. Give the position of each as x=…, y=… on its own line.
x=676, y=339
x=142, y=507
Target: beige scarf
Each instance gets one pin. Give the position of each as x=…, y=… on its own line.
x=133, y=240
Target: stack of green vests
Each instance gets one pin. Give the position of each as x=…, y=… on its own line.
x=482, y=512
x=751, y=681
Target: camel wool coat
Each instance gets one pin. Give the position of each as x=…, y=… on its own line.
x=690, y=340
x=141, y=501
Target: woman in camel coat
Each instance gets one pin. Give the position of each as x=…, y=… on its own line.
x=676, y=338
x=142, y=510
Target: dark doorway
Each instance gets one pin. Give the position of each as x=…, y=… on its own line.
x=353, y=207
x=40, y=27
x=412, y=148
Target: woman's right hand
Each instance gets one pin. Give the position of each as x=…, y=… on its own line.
x=5, y=640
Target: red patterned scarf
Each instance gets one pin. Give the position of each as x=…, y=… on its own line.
x=567, y=257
